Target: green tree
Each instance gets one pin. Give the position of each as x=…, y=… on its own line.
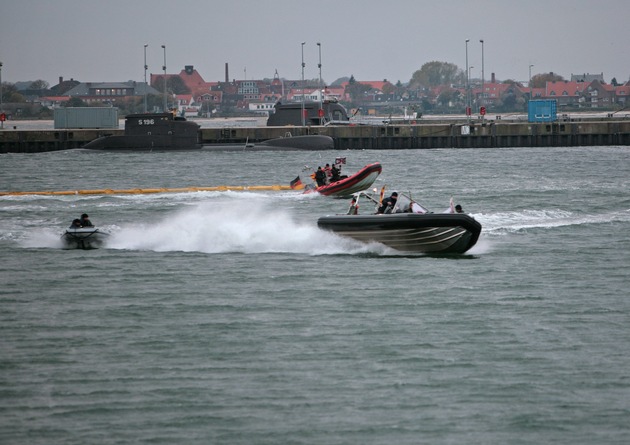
x=339, y=81
x=174, y=85
x=509, y=102
x=155, y=101
x=357, y=90
x=15, y=98
x=177, y=85
x=448, y=97
x=10, y=93
x=388, y=88
x=436, y=73
x=74, y=102
x=540, y=80
x=40, y=85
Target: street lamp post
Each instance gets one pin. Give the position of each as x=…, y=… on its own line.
x=467, y=79
x=482, y=78
x=321, y=89
x=145, y=77
x=472, y=99
x=529, y=83
x=303, y=65
x=1, y=106
x=164, y=68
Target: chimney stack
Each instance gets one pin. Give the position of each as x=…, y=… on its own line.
x=493, y=79
x=227, y=77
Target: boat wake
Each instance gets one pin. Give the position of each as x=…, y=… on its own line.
x=503, y=223
x=232, y=227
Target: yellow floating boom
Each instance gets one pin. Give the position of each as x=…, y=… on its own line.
x=137, y=191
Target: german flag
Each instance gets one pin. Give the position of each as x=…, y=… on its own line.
x=296, y=184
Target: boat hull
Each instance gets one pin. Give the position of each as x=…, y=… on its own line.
x=361, y=180
x=144, y=143
x=313, y=142
x=305, y=142
x=409, y=232
x=84, y=238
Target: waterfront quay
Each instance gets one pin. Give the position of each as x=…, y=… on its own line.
x=420, y=135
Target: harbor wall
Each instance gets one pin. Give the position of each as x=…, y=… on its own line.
x=355, y=137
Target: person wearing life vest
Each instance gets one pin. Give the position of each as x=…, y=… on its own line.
x=388, y=204
x=320, y=177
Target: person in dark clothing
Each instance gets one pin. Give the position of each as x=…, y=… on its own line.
x=335, y=174
x=320, y=177
x=458, y=209
x=85, y=221
x=388, y=204
x=76, y=224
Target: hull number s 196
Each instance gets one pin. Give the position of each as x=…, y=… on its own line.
x=146, y=121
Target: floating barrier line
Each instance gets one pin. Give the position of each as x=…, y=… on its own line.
x=138, y=191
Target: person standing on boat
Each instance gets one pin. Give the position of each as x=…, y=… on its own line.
x=85, y=221
x=320, y=177
x=328, y=171
x=334, y=174
x=388, y=204
x=354, y=207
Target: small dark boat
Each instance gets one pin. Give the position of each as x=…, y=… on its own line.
x=290, y=113
x=348, y=185
x=405, y=231
x=83, y=238
x=159, y=131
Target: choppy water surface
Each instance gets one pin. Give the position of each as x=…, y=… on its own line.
x=229, y=317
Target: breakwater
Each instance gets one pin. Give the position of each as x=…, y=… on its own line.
x=353, y=137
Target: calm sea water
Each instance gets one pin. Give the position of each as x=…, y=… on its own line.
x=230, y=318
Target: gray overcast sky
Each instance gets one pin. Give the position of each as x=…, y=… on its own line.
x=91, y=40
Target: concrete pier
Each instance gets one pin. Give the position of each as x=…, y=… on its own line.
x=377, y=137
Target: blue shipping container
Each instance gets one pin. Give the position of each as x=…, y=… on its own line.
x=542, y=110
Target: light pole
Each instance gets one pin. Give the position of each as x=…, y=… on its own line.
x=145, y=77
x=529, y=83
x=321, y=89
x=467, y=79
x=303, y=65
x=164, y=68
x=472, y=99
x=1, y=106
x=482, y=78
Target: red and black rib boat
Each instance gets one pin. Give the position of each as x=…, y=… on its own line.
x=357, y=182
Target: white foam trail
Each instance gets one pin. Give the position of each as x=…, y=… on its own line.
x=483, y=246
x=42, y=238
x=501, y=223
x=245, y=226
